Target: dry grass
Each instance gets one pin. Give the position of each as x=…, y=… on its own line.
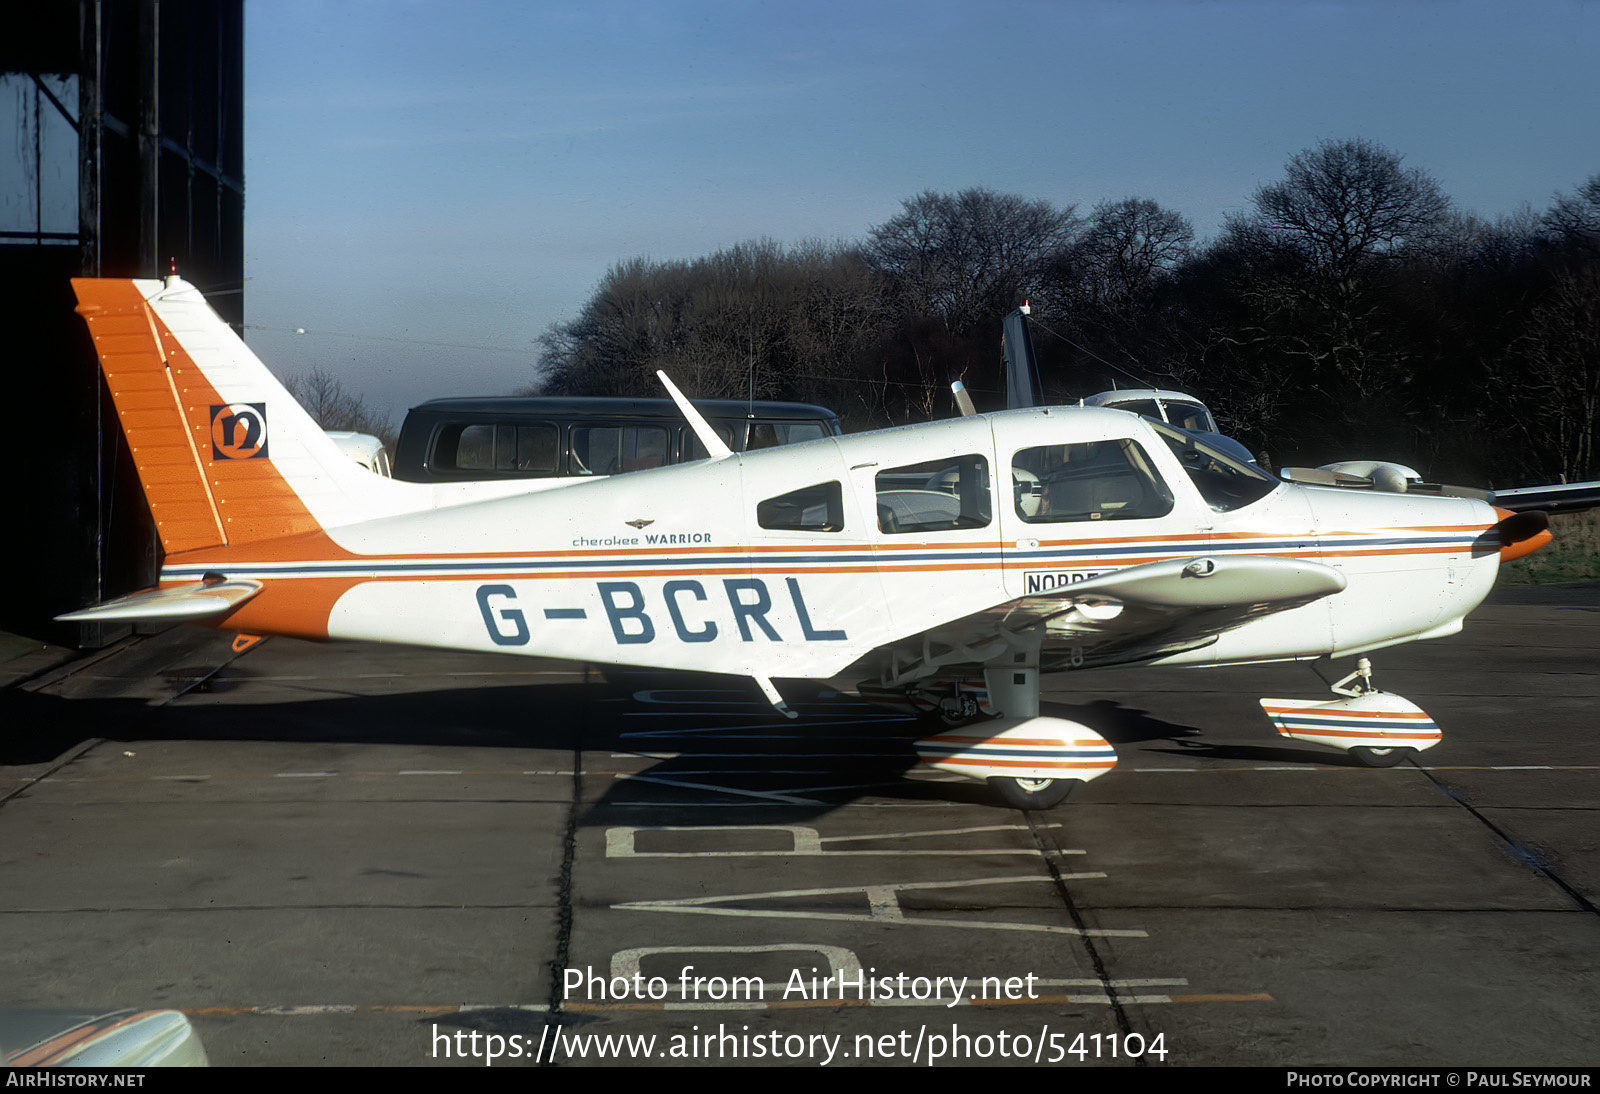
x=1573, y=555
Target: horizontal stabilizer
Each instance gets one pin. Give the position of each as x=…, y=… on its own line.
x=194, y=600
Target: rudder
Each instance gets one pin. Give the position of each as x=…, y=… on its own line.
x=224, y=453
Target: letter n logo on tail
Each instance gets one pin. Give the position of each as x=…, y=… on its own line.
x=239, y=431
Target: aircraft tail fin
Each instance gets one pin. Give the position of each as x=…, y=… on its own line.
x=1023, y=387
x=225, y=454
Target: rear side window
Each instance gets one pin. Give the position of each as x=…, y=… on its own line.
x=934, y=496
x=818, y=508
x=1100, y=480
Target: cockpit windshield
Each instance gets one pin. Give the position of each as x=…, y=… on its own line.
x=1190, y=416
x=1223, y=481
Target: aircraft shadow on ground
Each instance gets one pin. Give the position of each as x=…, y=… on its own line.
x=1122, y=725
x=712, y=739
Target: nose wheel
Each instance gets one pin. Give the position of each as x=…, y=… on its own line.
x=1378, y=728
x=1033, y=793
x=1379, y=757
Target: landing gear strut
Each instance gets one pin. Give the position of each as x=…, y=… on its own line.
x=1032, y=762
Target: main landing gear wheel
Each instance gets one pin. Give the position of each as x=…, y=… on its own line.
x=1032, y=793
x=1380, y=757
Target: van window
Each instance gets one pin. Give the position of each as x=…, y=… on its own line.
x=508, y=437
x=772, y=434
x=934, y=496
x=613, y=449
x=474, y=449
x=524, y=449
x=694, y=450
x=1100, y=480
x=818, y=508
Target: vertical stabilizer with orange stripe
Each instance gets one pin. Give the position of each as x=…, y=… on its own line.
x=225, y=455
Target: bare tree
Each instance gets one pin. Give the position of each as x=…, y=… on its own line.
x=965, y=258
x=757, y=319
x=1315, y=262
x=1559, y=377
x=1128, y=248
x=1574, y=219
x=331, y=406
x=1346, y=203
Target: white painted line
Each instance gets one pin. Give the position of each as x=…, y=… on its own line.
x=807, y=841
x=944, y=832
x=318, y=1010
x=834, y=805
x=883, y=906
x=305, y=774
x=770, y=796
x=897, y=755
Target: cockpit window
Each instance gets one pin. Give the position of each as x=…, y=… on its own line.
x=1223, y=481
x=935, y=496
x=1190, y=416
x=1148, y=407
x=1099, y=480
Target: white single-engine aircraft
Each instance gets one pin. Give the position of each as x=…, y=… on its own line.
x=942, y=561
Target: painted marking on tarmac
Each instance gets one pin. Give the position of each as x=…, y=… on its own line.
x=316, y=1010
x=883, y=905
x=249, y=678
x=808, y=841
x=1341, y=770
x=317, y=775
x=634, y=776
x=769, y=796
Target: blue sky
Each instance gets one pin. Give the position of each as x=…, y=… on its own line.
x=429, y=185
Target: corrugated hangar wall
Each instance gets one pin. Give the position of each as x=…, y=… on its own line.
x=127, y=156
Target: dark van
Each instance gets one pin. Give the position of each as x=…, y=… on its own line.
x=453, y=440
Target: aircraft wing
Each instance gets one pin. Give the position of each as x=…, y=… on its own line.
x=1133, y=614
x=191, y=600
